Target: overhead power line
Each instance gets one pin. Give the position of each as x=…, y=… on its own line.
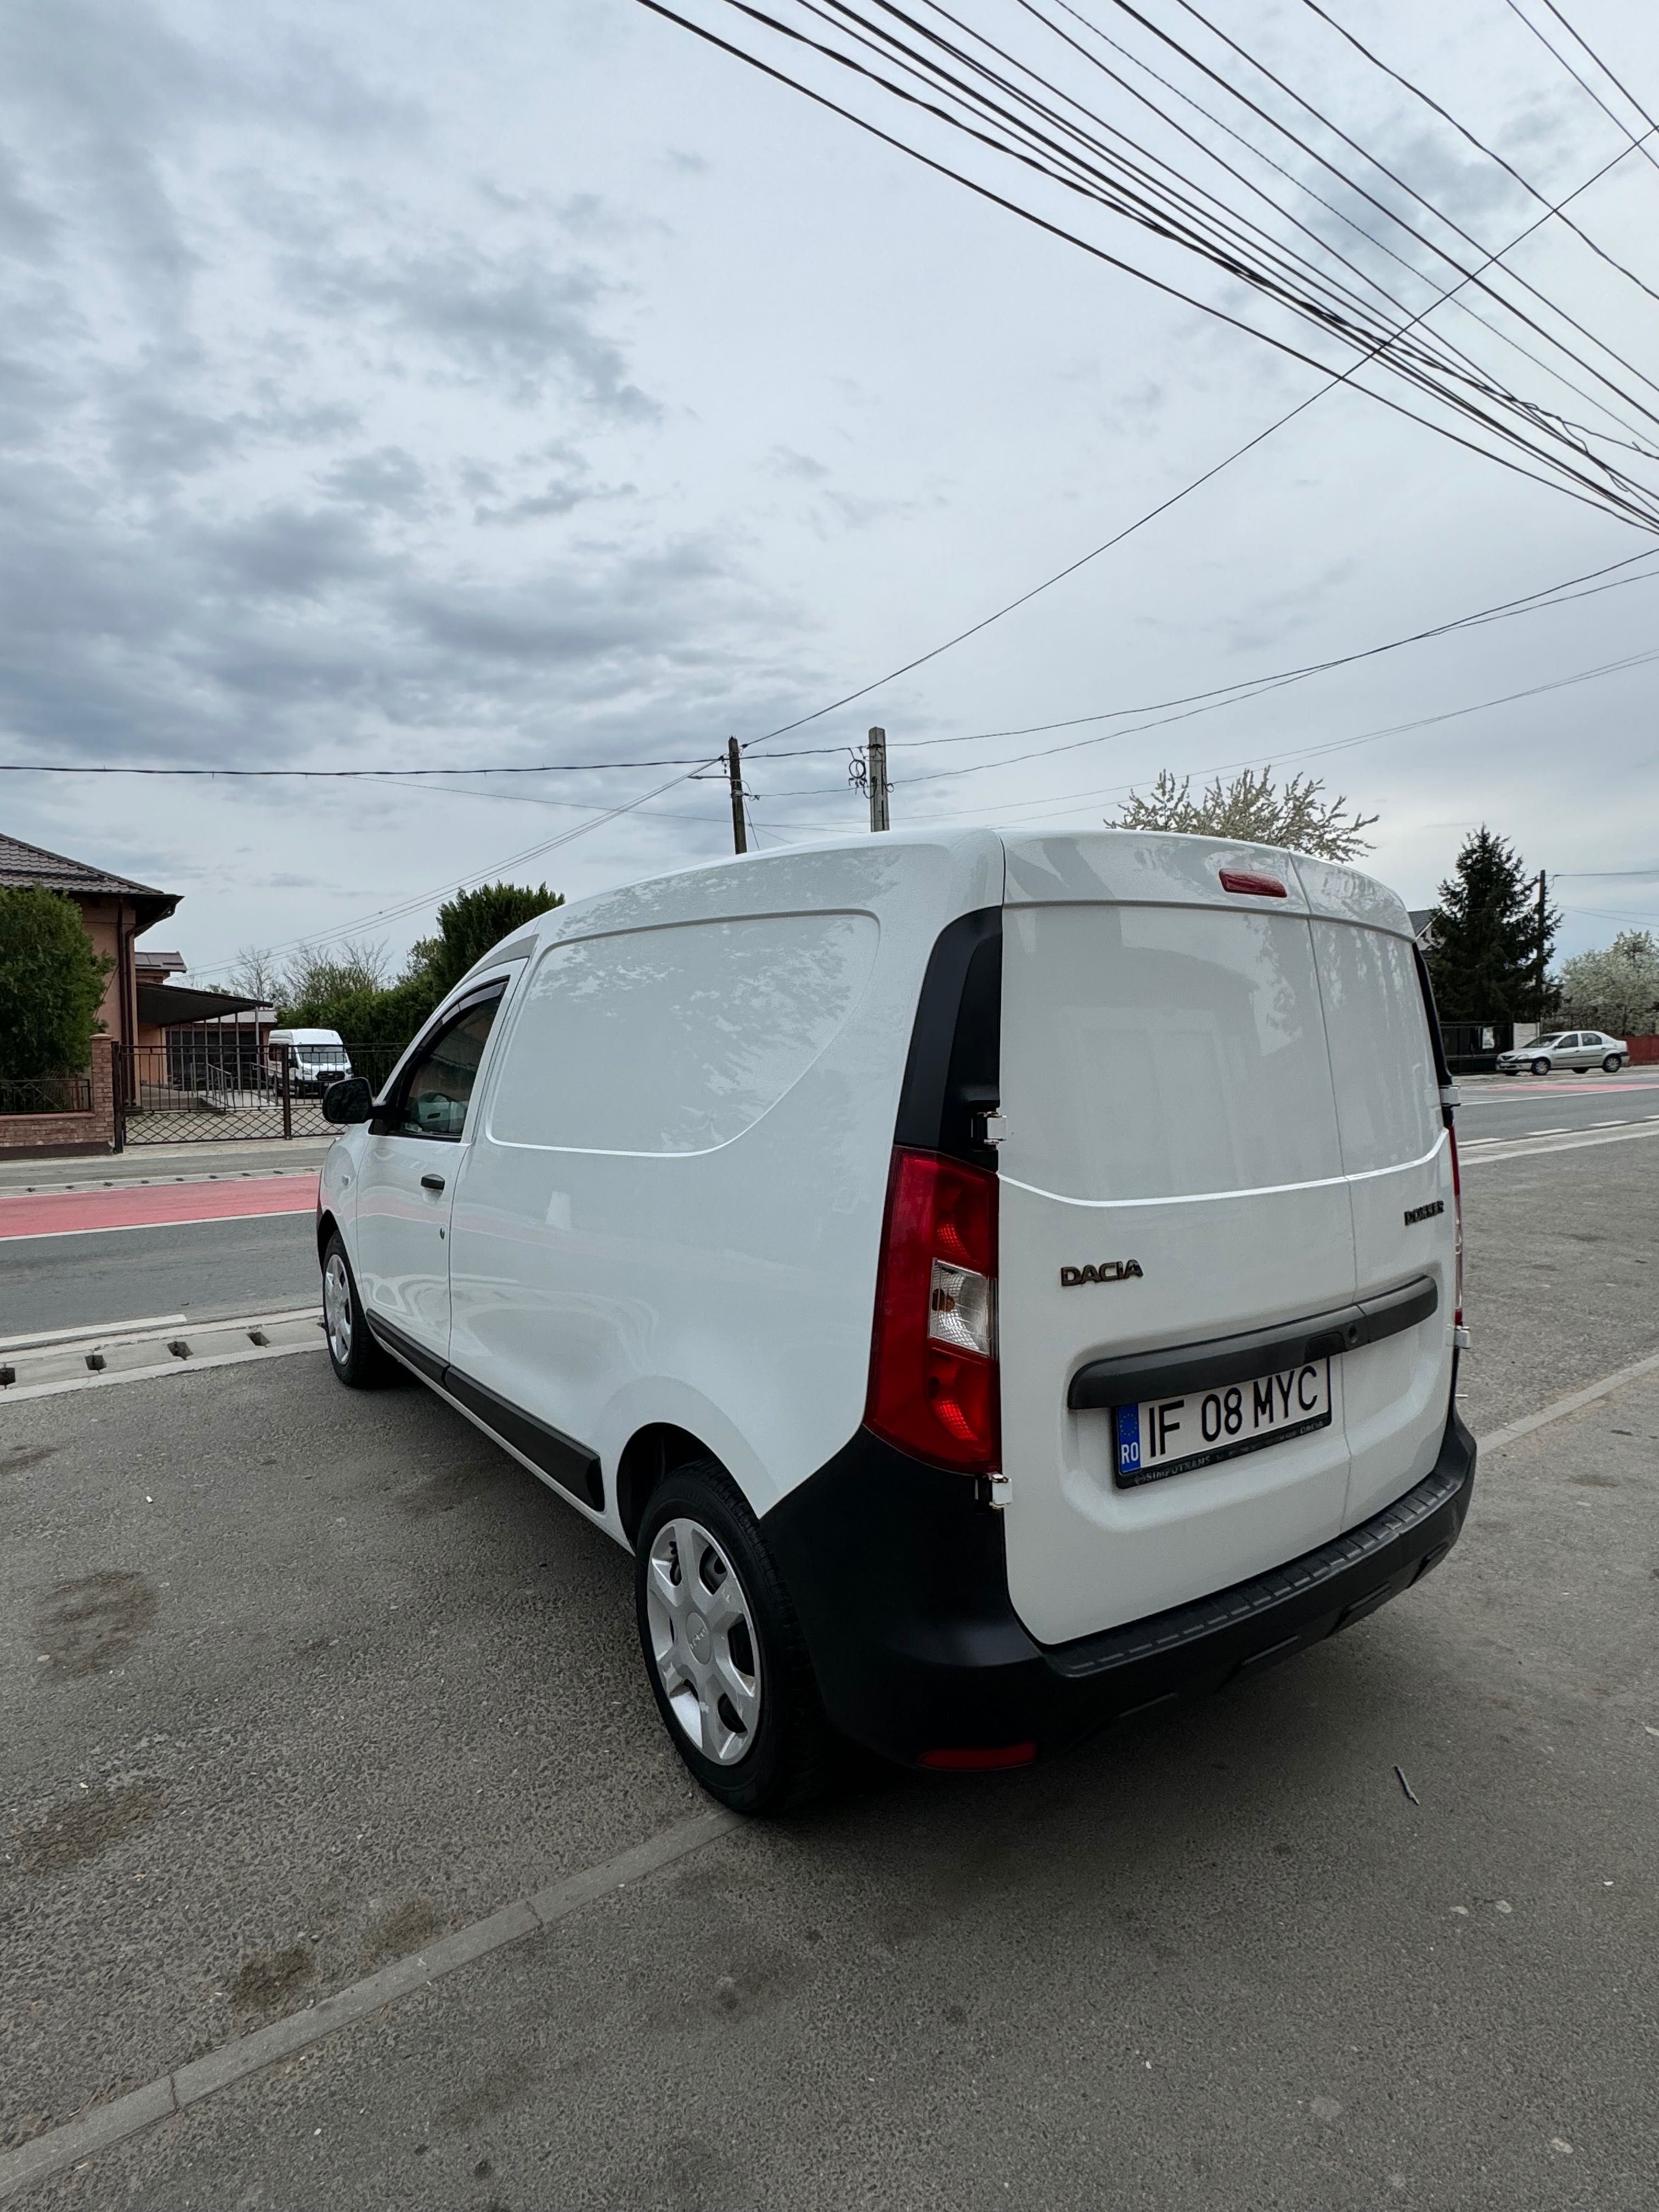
x=1642, y=139
x=1073, y=802
x=1562, y=593
x=1009, y=121
x=1409, y=84
x=344, y=774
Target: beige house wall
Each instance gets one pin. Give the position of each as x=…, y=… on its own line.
x=103, y=919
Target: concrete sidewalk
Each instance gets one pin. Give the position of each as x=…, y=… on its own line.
x=142, y=1163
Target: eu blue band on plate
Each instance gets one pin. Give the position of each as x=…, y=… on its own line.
x=1128, y=1439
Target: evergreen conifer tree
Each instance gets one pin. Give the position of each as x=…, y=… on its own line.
x=1487, y=958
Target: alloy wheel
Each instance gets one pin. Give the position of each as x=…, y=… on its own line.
x=702, y=1641
x=337, y=1307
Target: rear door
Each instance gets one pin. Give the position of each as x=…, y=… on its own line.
x=1168, y=1098
x=1396, y=1155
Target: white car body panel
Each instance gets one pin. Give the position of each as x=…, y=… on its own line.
x=727, y=1291
x=724, y=1282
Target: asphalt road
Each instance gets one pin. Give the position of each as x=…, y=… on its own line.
x=204, y=1270
x=1523, y=1105
x=293, y=1681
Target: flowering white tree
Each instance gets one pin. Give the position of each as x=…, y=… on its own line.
x=1618, y=985
x=1297, y=814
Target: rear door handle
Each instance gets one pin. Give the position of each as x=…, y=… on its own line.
x=432, y=1183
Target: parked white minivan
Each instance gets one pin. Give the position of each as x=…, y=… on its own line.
x=993, y=1281
x=316, y=1057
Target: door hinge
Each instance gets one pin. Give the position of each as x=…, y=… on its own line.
x=1460, y=1337
x=1001, y=1490
x=989, y=1128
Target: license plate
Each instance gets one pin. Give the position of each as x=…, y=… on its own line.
x=1166, y=1436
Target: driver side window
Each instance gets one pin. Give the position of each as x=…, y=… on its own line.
x=435, y=1092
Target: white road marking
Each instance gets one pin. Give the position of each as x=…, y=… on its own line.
x=1559, y=1408
x=211, y=1344
x=81, y=1333
x=191, y=1366
x=187, y=2085
x=1553, y=1140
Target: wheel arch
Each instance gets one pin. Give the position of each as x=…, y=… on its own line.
x=651, y=1454
x=327, y=1226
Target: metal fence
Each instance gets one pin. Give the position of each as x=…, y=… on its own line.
x=46, y=1094
x=1472, y=1048
x=208, y=1085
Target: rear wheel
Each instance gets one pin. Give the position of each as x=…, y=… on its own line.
x=1540, y=1067
x=1611, y=1064
x=356, y=1359
x=723, y=1650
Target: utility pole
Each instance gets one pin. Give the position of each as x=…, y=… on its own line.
x=878, y=780
x=1542, y=889
x=734, y=770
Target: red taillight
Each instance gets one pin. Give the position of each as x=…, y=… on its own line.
x=933, y=1358
x=978, y=1760
x=1254, y=886
x=1457, y=1211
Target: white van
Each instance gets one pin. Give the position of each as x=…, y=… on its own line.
x=993, y=1282
x=316, y=1057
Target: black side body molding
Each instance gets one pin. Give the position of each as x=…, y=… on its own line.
x=1128, y=1378
x=560, y=1458
x=953, y=1074
x=405, y=1348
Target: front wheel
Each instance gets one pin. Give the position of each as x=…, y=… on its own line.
x=355, y=1356
x=1611, y=1064
x=1540, y=1067
x=723, y=1650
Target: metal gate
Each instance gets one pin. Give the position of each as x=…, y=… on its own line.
x=215, y=1085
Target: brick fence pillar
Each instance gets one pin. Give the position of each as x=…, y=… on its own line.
x=103, y=1089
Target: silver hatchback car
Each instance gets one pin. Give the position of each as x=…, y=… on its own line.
x=1575, y=1048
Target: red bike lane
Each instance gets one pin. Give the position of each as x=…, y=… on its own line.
x=86, y=1212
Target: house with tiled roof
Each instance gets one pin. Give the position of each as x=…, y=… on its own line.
x=142, y=1005
x=115, y=910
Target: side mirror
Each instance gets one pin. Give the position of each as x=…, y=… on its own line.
x=347, y=1102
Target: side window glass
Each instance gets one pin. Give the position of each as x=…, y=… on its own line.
x=436, y=1091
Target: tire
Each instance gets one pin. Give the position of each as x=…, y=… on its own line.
x=1611, y=1064
x=1540, y=1067
x=746, y=1664
x=355, y=1358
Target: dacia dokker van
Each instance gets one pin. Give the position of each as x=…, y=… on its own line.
x=992, y=1282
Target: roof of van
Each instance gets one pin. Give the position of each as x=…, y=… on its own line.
x=304, y=1036
x=955, y=868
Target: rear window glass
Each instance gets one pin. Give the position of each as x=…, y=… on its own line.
x=1388, y=1095
x=676, y=1040
x=1163, y=1052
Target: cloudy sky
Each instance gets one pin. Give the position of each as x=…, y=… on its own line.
x=424, y=387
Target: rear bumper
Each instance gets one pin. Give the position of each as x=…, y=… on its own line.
x=900, y=1581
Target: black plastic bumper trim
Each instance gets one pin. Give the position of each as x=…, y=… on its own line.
x=559, y=1457
x=899, y=1579
x=1129, y=1377
x=1165, y=1633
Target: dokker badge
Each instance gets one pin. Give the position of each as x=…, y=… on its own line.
x=1108, y=1270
